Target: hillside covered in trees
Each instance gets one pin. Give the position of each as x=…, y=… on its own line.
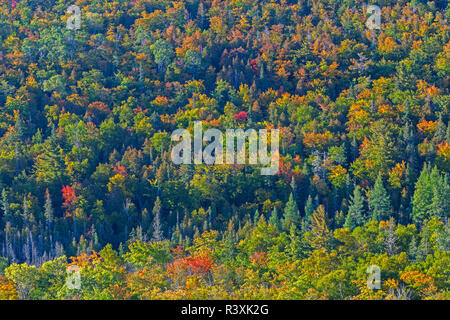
x=86, y=177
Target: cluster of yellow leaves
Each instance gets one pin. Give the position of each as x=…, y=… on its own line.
x=427, y=127
x=396, y=174
x=7, y=289
x=318, y=140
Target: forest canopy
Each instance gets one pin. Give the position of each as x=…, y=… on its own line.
x=86, y=179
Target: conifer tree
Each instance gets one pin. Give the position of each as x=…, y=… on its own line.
x=379, y=201
x=424, y=245
x=412, y=248
x=321, y=235
x=48, y=210
x=274, y=220
x=355, y=216
x=309, y=207
x=256, y=217
x=423, y=197
x=440, y=204
x=157, y=227
x=5, y=206
x=291, y=213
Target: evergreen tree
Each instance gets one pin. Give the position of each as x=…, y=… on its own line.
x=355, y=215
x=321, y=235
x=339, y=219
x=256, y=217
x=379, y=201
x=423, y=197
x=48, y=210
x=424, y=245
x=295, y=244
x=412, y=248
x=157, y=227
x=291, y=213
x=443, y=239
x=309, y=208
x=274, y=220
x=5, y=206
x=441, y=195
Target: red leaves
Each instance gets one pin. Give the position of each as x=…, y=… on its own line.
x=241, y=116
x=254, y=64
x=68, y=195
x=120, y=169
x=199, y=265
x=290, y=168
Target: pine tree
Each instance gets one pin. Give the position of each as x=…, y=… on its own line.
x=294, y=186
x=177, y=238
x=309, y=207
x=423, y=197
x=441, y=195
x=443, y=239
x=412, y=249
x=157, y=228
x=295, y=248
x=273, y=220
x=48, y=210
x=355, y=215
x=379, y=201
x=309, y=210
x=5, y=206
x=321, y=235
x=291, y=213
x=256, y=217
x=339, y=219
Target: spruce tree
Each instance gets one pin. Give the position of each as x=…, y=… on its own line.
x=355, y=215
x=48, y=210
x=441, y=195
x=256, y=217
x=274, y=220
x=291, y=213
x=309, y=207
x=5, y=206
x=379, y=201
x=412, y=249
x=157, y=228
x=423, y=197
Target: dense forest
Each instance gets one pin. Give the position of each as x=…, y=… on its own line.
x=87, y=181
